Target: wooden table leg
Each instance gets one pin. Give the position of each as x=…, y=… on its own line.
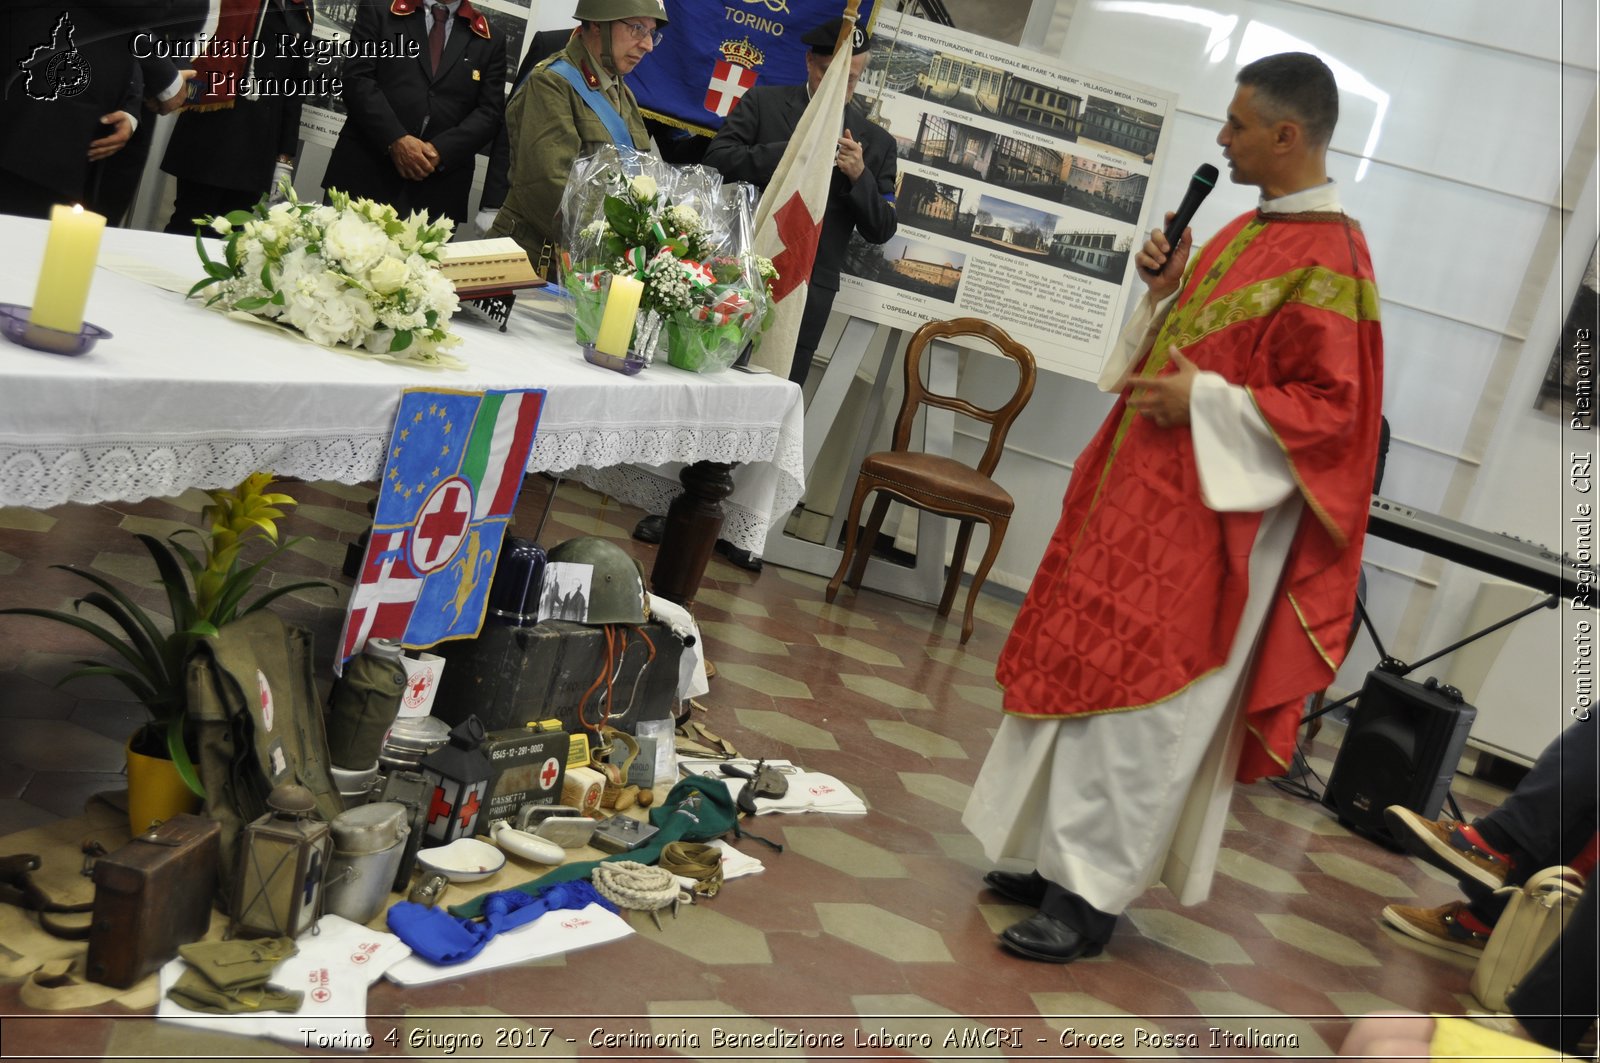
x=693, y=521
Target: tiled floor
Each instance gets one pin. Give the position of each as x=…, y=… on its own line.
x=874, y=927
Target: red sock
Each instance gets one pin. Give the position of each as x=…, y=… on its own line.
x=1472, y=835
x=1467, y=921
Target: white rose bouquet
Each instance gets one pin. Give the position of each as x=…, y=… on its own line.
x=351, y=273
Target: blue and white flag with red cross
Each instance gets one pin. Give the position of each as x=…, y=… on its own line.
x=455, y=465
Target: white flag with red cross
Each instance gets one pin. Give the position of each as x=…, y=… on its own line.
x=789, y=219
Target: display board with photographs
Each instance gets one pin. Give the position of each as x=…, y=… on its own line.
x=1021, y=193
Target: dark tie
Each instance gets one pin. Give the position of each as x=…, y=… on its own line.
x=436, y=35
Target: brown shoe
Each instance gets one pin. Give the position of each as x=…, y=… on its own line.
x=1453, y=847
x=1439, y=926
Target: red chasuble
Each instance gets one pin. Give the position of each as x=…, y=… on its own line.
x=1142, y=586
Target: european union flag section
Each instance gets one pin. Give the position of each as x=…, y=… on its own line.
x=455, y=464
x=715, y=51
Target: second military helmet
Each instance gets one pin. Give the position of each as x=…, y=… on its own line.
x=613, y=10
x=616, y=587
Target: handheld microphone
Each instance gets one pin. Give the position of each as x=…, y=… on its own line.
x=1200, y=186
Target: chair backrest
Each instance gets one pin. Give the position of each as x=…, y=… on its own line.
x=998, y=419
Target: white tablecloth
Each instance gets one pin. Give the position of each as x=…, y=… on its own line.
x=183, y=397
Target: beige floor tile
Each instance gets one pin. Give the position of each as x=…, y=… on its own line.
x=705, y=935
x=990, y=697
x=717, y=633
x=891, y=1022
x=136, y=568
x=9, y=563
x=328, y=551
x=1313, y=818
x=890, y=693
x=1348, y=869
x=782, y=727
x=348, y=492
x=1247, y=1025
x=762, y=680
x=891, y=936
x=838, y=613
x=917, y=739
x=842, y=852
x=1089, y=1024
x=939, y=789
x=857, y=650
x=730, y=603
x=808, y=580
x=31, y=520
x=1004, y=914
x=960, y=658
x=1363, y=1003
x=1318, y=940
x=965, y=848
x=1187, y=936
x=1256, y=872
x=353, y=521
x=160, y=529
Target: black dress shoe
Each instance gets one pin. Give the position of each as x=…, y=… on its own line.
x=650, y=529
x=1048, y=940
x=738, y=556
x=1016, y=886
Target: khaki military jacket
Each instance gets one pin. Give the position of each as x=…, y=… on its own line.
x=550, y=125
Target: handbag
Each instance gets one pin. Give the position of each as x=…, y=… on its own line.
x=1533, y=919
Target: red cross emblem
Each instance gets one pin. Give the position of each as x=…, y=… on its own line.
x=439, y=808
x=799, y=235
x=548, y=773
x=441, y=525
x=469, y=810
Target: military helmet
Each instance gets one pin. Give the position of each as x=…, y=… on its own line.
x=616, y=587
x=614, y=10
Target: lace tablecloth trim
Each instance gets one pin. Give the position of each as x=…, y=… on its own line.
x=39, y=476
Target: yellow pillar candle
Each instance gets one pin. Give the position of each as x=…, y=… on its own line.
x=69, y=260
x=616, y=326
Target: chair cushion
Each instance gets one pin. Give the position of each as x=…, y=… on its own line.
x=936, y=483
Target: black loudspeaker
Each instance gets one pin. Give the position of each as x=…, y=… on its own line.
x=1402, y=748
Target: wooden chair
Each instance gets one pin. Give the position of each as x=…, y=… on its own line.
x=937, y=484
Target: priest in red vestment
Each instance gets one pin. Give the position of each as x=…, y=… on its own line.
x=1202, y=578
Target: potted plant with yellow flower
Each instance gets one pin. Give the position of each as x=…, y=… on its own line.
x=206, y=588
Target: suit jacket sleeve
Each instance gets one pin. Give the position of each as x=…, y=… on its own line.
x=871, y=197
x=737, y=152
x=458, y=145
x=369, y=110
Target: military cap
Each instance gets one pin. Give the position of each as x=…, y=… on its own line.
x=824, y=37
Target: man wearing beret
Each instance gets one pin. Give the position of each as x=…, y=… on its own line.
x=861, y=198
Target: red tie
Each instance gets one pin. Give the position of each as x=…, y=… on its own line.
x=436, y=35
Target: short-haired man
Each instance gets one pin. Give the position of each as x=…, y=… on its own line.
x=861, y=197
x=571, y=104
x=1203, y=575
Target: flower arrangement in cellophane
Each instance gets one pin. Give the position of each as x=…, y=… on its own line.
x=685, y=236
x=350, y=273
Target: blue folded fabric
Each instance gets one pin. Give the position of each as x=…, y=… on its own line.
x=441, y=938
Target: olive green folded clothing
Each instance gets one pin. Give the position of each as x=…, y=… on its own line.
x=236, y=964
x=195, y=992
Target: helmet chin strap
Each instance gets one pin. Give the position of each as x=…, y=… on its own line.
x=607, y=60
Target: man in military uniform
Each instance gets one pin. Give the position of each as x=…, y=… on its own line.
x=571, y=104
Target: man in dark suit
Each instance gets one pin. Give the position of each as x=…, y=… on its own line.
x=69, y=93
x=861, y=198
x=417, y=121
x=238, y=141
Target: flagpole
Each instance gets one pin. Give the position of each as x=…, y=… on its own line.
x=847, y=28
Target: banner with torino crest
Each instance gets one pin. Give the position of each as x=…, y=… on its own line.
x=714, y=51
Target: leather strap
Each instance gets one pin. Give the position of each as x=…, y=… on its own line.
x=18, y=888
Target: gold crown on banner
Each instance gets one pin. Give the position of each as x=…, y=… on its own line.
x=743, y=53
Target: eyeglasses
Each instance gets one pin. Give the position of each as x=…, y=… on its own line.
x=642, y=32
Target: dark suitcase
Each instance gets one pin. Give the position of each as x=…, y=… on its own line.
x=150, y=896
x=512, y=675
